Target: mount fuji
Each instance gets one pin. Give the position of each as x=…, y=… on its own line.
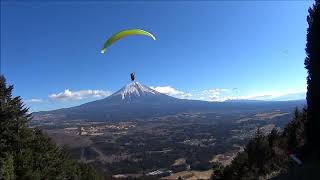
x=137, y=101
x=136, y=92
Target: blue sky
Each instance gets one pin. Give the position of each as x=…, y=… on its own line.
x=205, y=50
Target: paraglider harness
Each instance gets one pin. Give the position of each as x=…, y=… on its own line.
x=132, y=75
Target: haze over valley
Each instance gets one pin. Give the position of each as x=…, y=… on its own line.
x=138, y=131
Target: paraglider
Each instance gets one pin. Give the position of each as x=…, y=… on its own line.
x=124, y=33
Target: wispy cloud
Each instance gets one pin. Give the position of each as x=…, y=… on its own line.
x=226, y=94
x=287, y=94
x=214, y=94
x=33, y=100
x=78, y=95
x=168, y=90
x=223, y=94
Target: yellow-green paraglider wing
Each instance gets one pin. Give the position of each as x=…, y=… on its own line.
x=125, y=33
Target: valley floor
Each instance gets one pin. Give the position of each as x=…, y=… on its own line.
x=182, y=145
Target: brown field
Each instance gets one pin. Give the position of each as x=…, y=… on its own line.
x=190, y=175
x=270, y=115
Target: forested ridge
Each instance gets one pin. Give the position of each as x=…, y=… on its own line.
x=27, y=153
x=270, y=156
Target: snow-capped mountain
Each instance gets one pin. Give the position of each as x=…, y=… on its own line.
x=137, y=101
x=134, y=100
x=134, y=90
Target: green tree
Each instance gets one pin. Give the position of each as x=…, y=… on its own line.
x=312, y=64
x=29, y=154
x=273, y=136
x=218, y=169
x=7, y=167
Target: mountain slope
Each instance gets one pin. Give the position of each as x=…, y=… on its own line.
x=137, y=101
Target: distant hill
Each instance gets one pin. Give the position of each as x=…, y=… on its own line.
x=137, y=101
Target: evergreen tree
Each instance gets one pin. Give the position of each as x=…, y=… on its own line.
x=7, y=167
x=13, y=118
x=273, y=136
x=312, y=64
x=218, y=169
x=29, y=154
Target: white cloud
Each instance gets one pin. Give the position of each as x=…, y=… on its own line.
x=214, y=94
x=287, y=94
x=187, y=95
x=226, y=94
x=78, y=95
x=33, y=100
x=222, y=94
x=168, y=90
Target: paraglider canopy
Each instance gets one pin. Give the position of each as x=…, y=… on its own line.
x=133, y=76
x=124, y=33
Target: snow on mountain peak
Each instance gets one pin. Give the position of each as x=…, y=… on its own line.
x=135, y=89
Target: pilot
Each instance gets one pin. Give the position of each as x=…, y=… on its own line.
x=132, y=75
